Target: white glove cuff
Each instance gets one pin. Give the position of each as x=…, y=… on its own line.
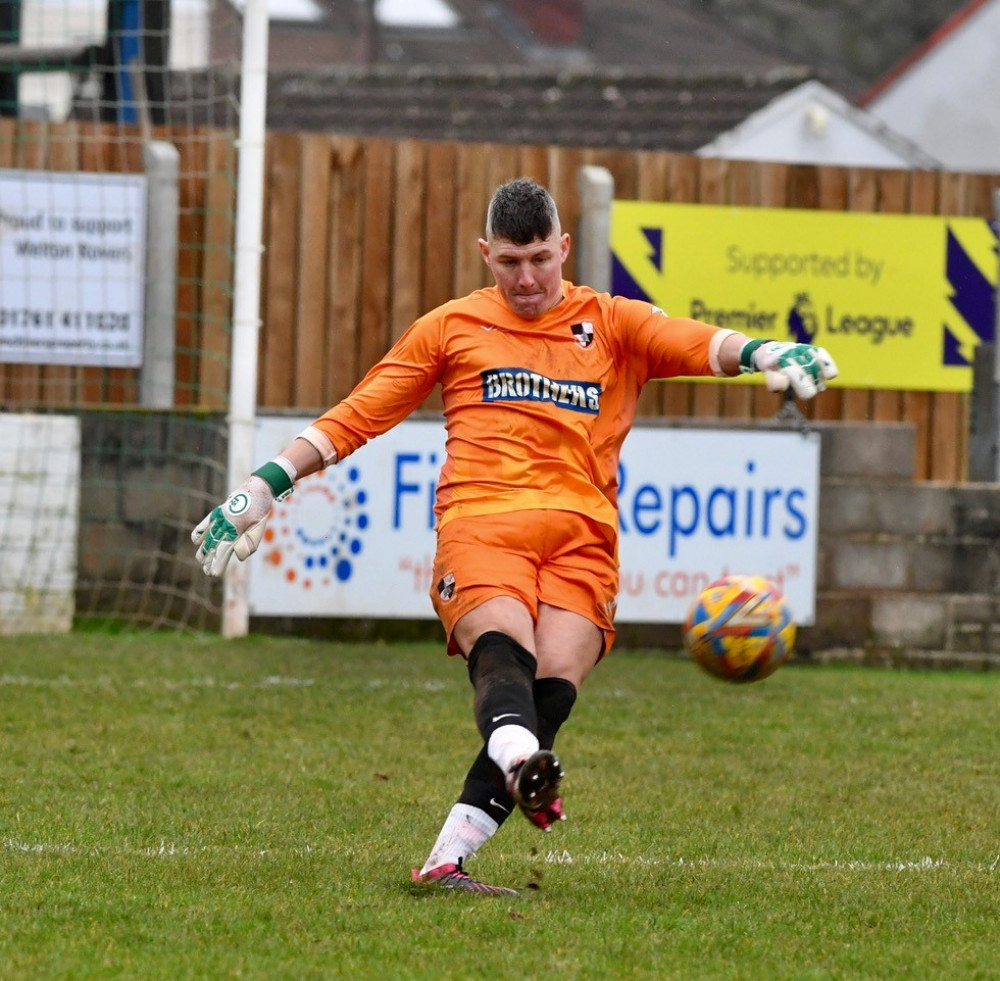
x=288, y=467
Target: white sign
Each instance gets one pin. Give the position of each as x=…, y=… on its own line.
x=39, y=501
x=695, y=504
x=72, y=268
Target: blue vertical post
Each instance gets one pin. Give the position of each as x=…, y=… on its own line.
x=126, y=57
x=10, y=33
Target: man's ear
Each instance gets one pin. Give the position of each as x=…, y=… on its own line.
x=484, y=249
x=564, y=244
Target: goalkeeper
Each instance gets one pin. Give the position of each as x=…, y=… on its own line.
x=539, y=380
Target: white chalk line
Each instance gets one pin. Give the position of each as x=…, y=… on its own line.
x=108, y=682
x=167, y=850
x=925, y=864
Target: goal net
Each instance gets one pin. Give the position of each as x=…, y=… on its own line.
x=118, y=177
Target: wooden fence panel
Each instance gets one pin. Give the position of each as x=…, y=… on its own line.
x=364, y=235
x=471, y=189
x=439, y=237
x=344, y=265
x=409, y=204
x=311, y=331
x=190, y=359
x=279, y=272
x=376, y=254
x=213, y=350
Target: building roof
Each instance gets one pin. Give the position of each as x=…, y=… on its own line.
x=950, y=27
x=813, y=124
x=944, y=96
x=627, y=74
x=524, y=104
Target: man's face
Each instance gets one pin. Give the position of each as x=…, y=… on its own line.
x=529, y=277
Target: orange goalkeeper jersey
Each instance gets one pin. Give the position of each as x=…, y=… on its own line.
x=536, y=411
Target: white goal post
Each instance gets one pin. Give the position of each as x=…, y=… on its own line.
x=247, y=278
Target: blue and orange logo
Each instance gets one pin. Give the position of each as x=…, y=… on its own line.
x=316, y=536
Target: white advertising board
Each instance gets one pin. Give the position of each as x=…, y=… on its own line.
x=39, y=522
x=72, y=268
x=358, y=541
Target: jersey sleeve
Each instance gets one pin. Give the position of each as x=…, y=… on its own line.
x=660, y=346
x=391, y=390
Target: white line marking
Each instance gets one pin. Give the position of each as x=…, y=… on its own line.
x=924, y=864
x=169, y=849
x=105, y=682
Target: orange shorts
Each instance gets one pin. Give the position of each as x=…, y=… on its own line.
x=556, y=557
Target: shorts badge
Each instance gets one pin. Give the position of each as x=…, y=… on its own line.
x=446, y=587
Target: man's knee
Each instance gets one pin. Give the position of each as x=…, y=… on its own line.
x=502, y=672
x=497, y=655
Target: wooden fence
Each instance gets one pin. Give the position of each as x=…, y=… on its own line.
x=364, y=235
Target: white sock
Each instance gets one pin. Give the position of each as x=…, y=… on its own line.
x=464, y=832
x=511, y=744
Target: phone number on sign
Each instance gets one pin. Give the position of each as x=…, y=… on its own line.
x=104, y=321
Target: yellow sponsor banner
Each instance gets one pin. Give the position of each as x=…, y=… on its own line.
x=900, y=301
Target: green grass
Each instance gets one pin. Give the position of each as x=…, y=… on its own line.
x=175, y=807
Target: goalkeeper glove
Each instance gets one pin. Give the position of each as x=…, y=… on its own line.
x=805, y=367
x=237, y=525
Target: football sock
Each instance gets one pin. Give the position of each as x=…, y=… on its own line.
x=503, y=673
x=554, y=700
x=464, y=832
x=486, y=788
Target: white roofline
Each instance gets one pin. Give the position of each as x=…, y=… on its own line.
x=814, y=91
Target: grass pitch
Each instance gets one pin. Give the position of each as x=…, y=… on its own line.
x=186, y=807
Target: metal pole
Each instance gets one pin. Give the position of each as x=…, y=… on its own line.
x=996, y=346
x=156, y=381
x=593, y=247
x=246, y=303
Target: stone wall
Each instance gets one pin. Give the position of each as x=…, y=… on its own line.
x=909, y=572
x=146, y=478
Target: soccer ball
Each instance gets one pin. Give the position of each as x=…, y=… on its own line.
x=740, y=628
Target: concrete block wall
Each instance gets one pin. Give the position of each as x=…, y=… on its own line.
x=908, y=572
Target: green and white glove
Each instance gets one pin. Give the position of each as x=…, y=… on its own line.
x=804, y=367
x=237, y=525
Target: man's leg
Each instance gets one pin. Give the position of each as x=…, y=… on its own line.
x=554, y=700
x=501, y=669
x=569, y=646
x=485, y=800
x=483, y=805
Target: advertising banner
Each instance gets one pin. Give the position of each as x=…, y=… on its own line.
x=72, y=268
x=358, y=540
x=900, y=301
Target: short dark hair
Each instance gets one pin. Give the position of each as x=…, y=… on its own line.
x=521, y=211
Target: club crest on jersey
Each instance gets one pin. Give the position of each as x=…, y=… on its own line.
x=525, y=385
x=584, y=333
